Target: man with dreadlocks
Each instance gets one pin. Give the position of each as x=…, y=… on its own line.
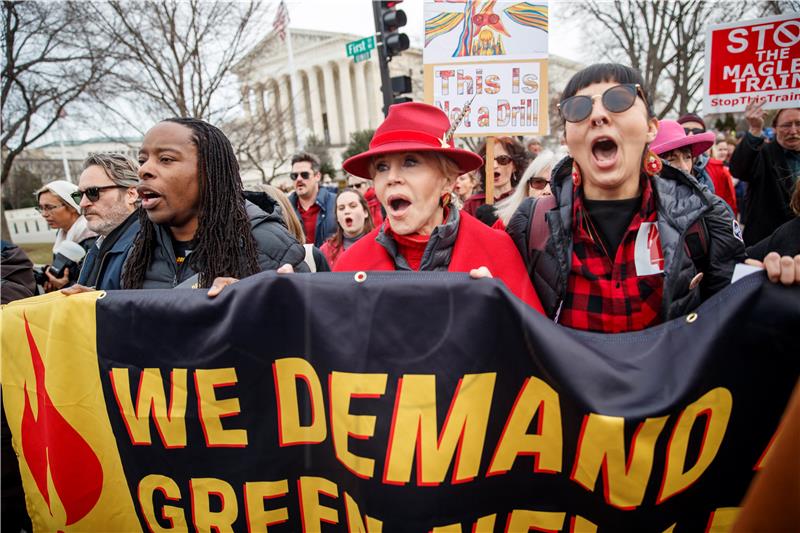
x=195, y=220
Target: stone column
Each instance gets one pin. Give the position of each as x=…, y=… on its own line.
x=276, y=137
x=315, y=100
x=246, y=101
x=331, y=107
x=297, y=97
x=361, y=95
x=261, y=116
x=377, y=102
x=346, y=90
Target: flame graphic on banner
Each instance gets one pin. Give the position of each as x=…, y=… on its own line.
x=50, y=443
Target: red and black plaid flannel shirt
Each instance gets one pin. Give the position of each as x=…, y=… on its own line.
x=605, y=295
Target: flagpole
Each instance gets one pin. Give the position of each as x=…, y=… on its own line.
x=295, y=87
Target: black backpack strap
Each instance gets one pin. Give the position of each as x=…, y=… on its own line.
x=696, y=244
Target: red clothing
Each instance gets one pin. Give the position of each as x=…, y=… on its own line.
x=476, y=245
x=476, y=200
x=411, y=247
x=723, y=182
x=331, y=252
x=309, y=219
x=607, y=295
x=374, y=207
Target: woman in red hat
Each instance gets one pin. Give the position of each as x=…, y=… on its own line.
x=414, y=164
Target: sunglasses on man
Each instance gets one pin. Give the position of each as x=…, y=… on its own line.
x=92, y=193
x=304, y=174
x=616, y=99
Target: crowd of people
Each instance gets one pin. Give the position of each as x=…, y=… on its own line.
x=631, y=222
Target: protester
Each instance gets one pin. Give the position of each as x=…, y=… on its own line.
x=107, y=195
x=608, y=251
x=465, y=186
x=315, y=205
x=365, y=188
x=535, y=183
x=62, y=213
x=717, y=170
x=694, y=125
x=413, y=164
x=17, y=279
x=352, y=214
x=195, y=220
x=770, y=170
x=534, y=146
x=271, y=199
x=510, y=159
x=682, y=151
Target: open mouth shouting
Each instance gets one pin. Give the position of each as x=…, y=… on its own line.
x=398, y=205
x=150, y=198
x=348, y=221
x=605, y=152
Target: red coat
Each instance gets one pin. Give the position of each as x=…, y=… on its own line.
x=723, y=182
x=374, y=207
x=476, y=245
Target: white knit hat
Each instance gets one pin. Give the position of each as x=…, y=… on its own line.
x=62, y=189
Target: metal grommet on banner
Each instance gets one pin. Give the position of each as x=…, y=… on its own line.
x=360, y=277
x=102, y=295
x=691, y=317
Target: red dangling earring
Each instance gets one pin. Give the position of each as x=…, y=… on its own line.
x=576, y=174
x=652, y=163
x=444, y=201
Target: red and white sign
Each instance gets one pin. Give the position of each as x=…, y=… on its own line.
x=753, y=59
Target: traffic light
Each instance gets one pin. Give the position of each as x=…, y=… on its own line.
x=391, y=19
x=400, y=85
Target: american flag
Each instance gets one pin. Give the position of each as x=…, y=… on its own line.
x=281, y=20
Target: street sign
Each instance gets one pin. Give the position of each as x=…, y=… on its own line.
x=360, y=47
x=362, y=57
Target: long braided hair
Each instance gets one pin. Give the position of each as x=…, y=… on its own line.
x=223, y=244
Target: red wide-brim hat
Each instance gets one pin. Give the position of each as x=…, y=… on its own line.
x=413, y=127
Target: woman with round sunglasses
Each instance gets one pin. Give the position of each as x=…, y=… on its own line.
x=535, y=183
x=413, y=164
x=63, y=214
x=625, y=242
x=510, y=157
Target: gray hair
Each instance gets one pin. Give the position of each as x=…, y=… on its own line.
x=120, y=169
x=542, y=161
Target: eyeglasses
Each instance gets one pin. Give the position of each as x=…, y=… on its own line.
x=503, y=160
x=357, y=186
x=47, y=208
x=538, y=183
x=693, y=131
x=616, y=99
x=304, y=174
x=93, y=193
x=786, y=126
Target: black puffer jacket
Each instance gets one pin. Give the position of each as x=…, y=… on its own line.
x=680, y=201
x=769, y=186
x=276, y=247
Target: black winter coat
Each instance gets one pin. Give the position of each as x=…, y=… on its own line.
x=769, y=186
x=680, y=202
x=275, y=248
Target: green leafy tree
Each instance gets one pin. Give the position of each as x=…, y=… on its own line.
x=359, y=142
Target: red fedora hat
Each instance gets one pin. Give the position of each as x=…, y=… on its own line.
x=413, y=127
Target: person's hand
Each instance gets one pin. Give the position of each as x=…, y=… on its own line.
x=480, y=272
x=785, y=270
x=54, y=283
x=285, y=269
x=754, y=114
x=76, y=289
x=219, y=284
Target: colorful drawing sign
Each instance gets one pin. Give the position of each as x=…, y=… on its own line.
x=492, y=53
x=753, y=59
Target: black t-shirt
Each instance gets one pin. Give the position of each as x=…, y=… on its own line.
x=182, y=249
x=611, y=218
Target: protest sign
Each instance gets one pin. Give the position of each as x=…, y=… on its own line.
x=437, y=403
x=753, y=59
x=495, y=51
